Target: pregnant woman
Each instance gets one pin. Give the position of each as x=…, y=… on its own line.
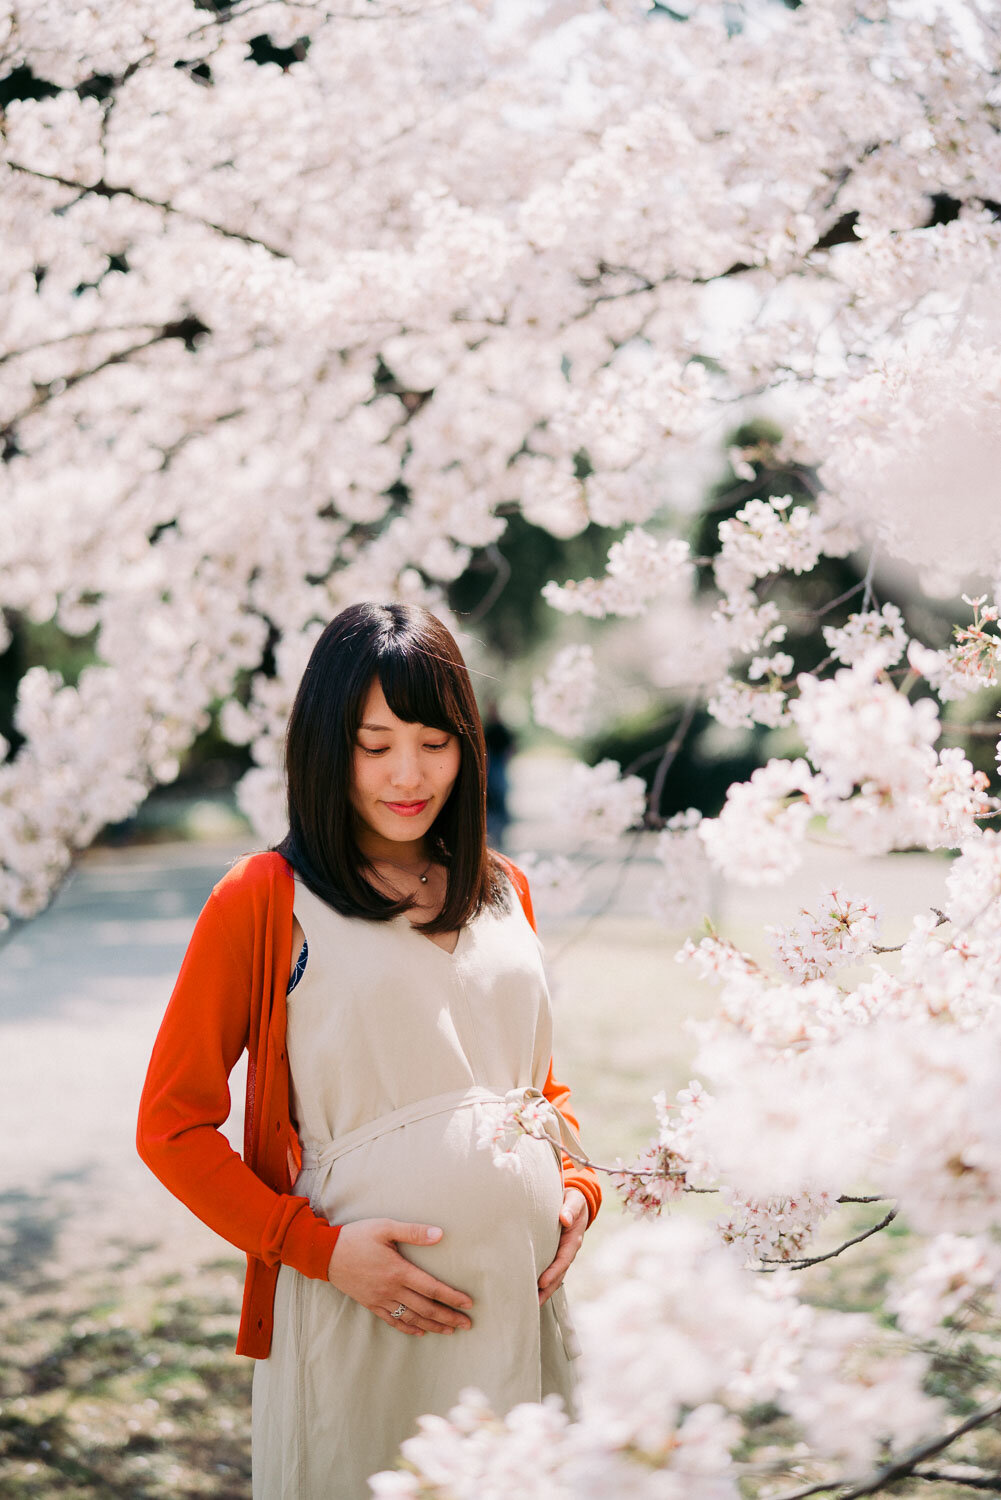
x=382, y=971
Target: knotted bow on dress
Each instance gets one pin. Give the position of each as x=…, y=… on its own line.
x=558, y=1132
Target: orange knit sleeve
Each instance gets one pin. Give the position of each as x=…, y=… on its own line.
x=186, y=1098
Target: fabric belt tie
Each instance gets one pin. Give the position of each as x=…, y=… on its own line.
x=558, y=1132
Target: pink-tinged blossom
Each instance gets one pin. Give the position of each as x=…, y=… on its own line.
x=640, y=567
x=929, y=1089
x=716, y=959
x=747, y=625
x=974, y=884
x=779, y=1126
x=919, y=425
x=737, y=705
x=840, y=931
x=946, y=673
x=758, y=836
x=880, y=631
x=772, y=1229
x=681, y=893
x=860, y=732
x=671, y=1162
x=887, y=787
x=600, y=803
x=955, y=1271
x=504, y=1124
x=856, y=1393
x=779, y=665
x=766, y=537
x=563, y=699
x=651, y=1348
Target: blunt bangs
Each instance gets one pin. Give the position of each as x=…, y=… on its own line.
x=420, y=690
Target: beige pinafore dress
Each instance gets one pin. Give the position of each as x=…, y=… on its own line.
x=396, y=1048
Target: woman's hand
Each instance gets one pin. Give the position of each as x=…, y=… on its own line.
x=367, y=1266
x=573, y=1218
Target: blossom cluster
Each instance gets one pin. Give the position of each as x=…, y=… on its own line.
x=677, y=1351
x=563, y=699
x=841, y=931
x=639, y=569
x=264, y=359
x=603, y=803
x=871, y=771
x=503, y=1126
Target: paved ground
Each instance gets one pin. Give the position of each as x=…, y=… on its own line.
x=83, y=988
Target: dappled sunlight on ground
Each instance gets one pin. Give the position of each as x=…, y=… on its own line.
x=118, y=1310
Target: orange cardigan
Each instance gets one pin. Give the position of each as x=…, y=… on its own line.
x=230, y=995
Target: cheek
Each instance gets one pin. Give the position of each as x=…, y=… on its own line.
x=362, y=780
x=450, y=765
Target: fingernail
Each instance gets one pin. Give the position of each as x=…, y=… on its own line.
x=434, y=1234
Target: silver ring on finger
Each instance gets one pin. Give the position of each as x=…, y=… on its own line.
x=399, y=1311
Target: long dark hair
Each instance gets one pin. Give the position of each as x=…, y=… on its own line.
x=425, y=681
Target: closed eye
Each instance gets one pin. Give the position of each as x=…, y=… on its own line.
x=381, y=750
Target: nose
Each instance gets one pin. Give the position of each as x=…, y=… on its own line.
x=405, y=772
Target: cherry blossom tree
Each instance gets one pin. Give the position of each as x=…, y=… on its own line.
x=302, y=302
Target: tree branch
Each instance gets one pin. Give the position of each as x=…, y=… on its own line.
x=107, y=190
x=897, y=947
x=899, y=1468
x=653, y=817
x=974, y=1479
x=768, y=1263
x=89, y=333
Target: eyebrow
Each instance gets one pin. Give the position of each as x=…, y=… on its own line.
x=386, y=728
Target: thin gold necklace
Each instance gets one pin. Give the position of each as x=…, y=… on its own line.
x=393, y=865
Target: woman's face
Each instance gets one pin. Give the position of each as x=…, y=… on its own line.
x=402, y=773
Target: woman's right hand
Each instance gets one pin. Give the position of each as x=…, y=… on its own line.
x=367, y=1266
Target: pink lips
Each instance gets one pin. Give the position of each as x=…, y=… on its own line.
x=408, y=809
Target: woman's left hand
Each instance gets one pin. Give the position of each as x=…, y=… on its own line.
x=573, y=1222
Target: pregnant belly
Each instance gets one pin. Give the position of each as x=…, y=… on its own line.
x=432, y=1171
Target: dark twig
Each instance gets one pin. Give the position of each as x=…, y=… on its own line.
x=983, y=731
x=109, y=190
x=867, y=598
x=671, y=749
x=898, y=947
x=899, y=1468
x=975, y=1479
x=497, y=584
x=768, y=1263
x=627, y=859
